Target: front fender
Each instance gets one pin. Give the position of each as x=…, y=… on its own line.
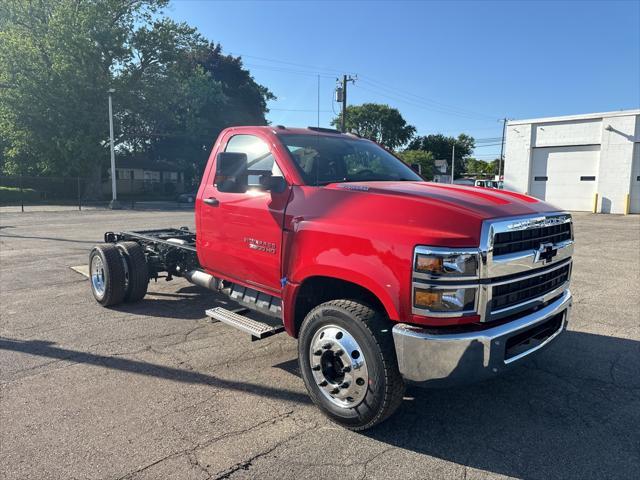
x=373, y=264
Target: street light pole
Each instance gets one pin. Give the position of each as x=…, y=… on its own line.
x=114, y=194
x=453, y=161
x=501, y=161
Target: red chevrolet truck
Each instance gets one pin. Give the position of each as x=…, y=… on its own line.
x=383, y=278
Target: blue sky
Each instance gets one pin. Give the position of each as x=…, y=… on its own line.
x=449, y=67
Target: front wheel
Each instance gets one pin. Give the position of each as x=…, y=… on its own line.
x=348, y=363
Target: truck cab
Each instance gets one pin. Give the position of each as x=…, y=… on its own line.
x=383, y=278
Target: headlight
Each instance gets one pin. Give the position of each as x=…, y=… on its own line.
x=436, y=262
x=444, y=299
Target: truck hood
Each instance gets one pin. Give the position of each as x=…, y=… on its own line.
x=481, y=203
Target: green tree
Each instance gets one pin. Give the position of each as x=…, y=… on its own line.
x=380, y=123
x=182, y=93
x=57, y=61
x=441, y=147
x=422, y=158
x=481, y=167
x=174, y=90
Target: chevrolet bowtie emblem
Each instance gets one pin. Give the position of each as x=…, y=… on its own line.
x=545, y=253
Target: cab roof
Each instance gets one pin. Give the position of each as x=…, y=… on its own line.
x=281, y=129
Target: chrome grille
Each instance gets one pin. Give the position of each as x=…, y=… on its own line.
x=530, y=239
x=520, y=291
x=526, y=262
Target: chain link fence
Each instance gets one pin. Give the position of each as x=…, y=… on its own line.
x=33, y=193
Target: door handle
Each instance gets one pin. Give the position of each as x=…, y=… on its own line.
x=214, y=202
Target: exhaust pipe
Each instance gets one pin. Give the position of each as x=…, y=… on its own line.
x=202, y=279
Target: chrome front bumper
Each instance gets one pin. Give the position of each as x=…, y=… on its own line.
x=433, y=359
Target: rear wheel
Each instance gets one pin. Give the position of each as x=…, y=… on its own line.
x=348, y=363
x=107, y=274
x=137, y=271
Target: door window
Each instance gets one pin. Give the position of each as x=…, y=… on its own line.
x=260, y=160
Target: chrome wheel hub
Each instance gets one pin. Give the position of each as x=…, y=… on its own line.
x=338, y=366
x=97, y=275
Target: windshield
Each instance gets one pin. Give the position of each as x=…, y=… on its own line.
x=322, y=160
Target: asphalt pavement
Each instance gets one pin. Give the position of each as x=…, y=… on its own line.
x=154, y=390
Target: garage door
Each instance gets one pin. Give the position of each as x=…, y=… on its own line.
x=565, y=176
x=635, y=180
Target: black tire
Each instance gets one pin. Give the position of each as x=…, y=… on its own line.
x=372, y=332
x=112, y=275
x=137, y=272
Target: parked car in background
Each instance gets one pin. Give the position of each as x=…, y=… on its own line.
x=464, y=181
x=489, y=184
x=187, y=197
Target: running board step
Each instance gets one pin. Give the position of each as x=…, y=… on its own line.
x=257, y=330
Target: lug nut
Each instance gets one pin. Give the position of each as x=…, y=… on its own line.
x=323, y=383
x=345, y=385
x=326, y=346
x=317, y=353
x=316, y=368
x=346, y=369
x=334, y=391
x=339, y=352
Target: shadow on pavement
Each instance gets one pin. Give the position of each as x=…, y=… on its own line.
x=572, y=412
x=50, y=239
x=49, y=350
x=186, y=303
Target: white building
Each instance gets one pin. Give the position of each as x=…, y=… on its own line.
x=578, y=162
x=441, y=175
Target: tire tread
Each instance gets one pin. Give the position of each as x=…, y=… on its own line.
x=138, y=271
x=114, y=288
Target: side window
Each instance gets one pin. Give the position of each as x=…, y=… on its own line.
x=260, y=161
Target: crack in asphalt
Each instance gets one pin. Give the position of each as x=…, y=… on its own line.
x=191, y=451
x=247, y=464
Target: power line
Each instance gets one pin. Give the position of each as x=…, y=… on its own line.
x=419, y=105
x=287, y=70
x=313, y=67
x=379, y=88
x=422, y=99
x=438, y=106
x=488, y=145
x=299, y=110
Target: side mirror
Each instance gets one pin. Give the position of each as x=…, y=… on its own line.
x=231, y=172
x=273, y=184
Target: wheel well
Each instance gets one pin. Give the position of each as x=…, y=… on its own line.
x=317, y=290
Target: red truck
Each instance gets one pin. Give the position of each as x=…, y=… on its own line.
x=383, y=278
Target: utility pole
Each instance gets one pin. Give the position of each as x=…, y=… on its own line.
x=453, y=161
x=114, y=194
x=341, y=96
x=504, y=128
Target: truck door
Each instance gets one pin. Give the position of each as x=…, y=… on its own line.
x=240, y=234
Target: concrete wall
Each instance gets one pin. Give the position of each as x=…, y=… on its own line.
x=517, y=168
x=614, y=132
x=616, y=159
x=573, y=132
